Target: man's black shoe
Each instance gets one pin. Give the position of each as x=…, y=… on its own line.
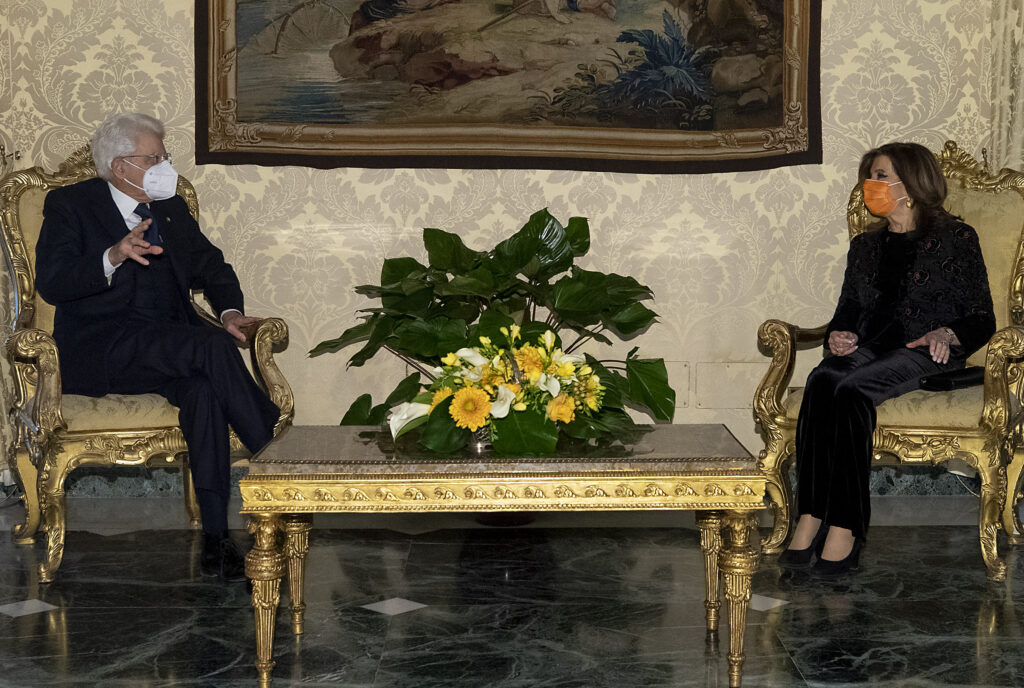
x=222, y=558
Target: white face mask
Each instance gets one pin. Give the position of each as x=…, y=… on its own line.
x=159, y=182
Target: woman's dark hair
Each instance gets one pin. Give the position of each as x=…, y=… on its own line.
x=920, y=173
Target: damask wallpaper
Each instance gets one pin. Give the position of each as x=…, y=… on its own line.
x=722, y=252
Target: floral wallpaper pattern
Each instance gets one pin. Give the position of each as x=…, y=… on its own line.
x=722, y=252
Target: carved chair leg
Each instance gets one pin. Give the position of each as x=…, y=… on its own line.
x=779, y=495
x=55, y=515
x=993, y=493
x=738, y=563
x=27, y=478
x=195, y=521
x=1011, y=506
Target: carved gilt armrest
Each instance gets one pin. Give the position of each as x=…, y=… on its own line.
x=37, y=378
x=781, y=341
x=266, y=337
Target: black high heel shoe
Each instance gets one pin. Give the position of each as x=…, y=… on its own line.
x=826, y=568
x=801, y=558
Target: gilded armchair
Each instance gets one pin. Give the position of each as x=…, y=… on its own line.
x=57, y=433
x=978, y=425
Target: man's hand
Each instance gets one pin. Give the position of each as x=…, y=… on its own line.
x=234, y=321
x=938, y=342
x=842, y=343
x=133, y=246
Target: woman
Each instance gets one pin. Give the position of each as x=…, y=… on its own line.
x=915, y=301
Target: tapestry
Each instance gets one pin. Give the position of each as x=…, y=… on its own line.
x=658, y=86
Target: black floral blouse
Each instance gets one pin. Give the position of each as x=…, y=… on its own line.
x=899, y=287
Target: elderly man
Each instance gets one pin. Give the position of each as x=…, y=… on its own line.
x=117, y=257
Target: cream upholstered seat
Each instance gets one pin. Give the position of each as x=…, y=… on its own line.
x=979, y=425
x=58, y=433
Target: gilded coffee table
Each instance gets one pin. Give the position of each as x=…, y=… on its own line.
x=333, y=469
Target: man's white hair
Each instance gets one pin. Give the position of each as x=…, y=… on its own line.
x=118, y=136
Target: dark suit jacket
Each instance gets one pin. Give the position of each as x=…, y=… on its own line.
x=80, y=222
x=945, y=286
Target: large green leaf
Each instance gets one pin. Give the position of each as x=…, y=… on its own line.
x=491, y=322
x=582, y=427
x=394, y=270
x=555, y=253
x=630, y=318
x=586, y=332
x=614, y=421
x=648, y=386
x=440, y=433
x=453, y=308
x=580, y=297
x=430, y=338
x=525, y=433
x=446, y=251
x=414, y=303
x=383, y=326
x=515, y=253
x=359, y=412
x=533, y=330
x=478, y=282
x=577, y=231
x=539, y=250
x=615, y=385
x=405, y=391
x=353, y=334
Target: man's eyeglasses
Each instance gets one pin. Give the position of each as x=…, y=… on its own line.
x=154, y=159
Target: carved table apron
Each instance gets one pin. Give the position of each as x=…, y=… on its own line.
x=345, y=469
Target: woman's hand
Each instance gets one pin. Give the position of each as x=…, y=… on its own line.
x=842, y=343
x=938, y=342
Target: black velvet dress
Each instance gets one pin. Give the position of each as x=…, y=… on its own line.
x=897, y=288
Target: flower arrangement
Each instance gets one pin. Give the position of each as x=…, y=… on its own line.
x=488, y=386
x=485, y=330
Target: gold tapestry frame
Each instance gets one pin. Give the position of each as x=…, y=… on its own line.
x=222, y=136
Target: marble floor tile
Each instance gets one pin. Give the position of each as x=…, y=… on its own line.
x=394, y=606
x=580, y=600
x=25, y=608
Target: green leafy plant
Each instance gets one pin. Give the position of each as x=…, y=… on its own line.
x=528, y=284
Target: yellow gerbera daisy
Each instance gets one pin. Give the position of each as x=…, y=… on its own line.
x=439, y=396
x=470, y=408
x=562, y=408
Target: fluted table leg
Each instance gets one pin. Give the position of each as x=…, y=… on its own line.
x=738, y=563
x=264, y=565
x=296, y=546
x=710, y=525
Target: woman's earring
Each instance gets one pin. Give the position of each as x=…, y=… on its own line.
x=910, y=203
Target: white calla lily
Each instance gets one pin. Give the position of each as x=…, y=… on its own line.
x=501, y=404
x=550, y=384
x=559, y=357
x=471, y=356
x=402, y=414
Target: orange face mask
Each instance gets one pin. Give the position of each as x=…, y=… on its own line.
x=877, y=197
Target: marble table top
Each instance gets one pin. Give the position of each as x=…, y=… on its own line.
x=651, y=449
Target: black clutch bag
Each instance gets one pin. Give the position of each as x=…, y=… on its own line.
x=954, y=379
